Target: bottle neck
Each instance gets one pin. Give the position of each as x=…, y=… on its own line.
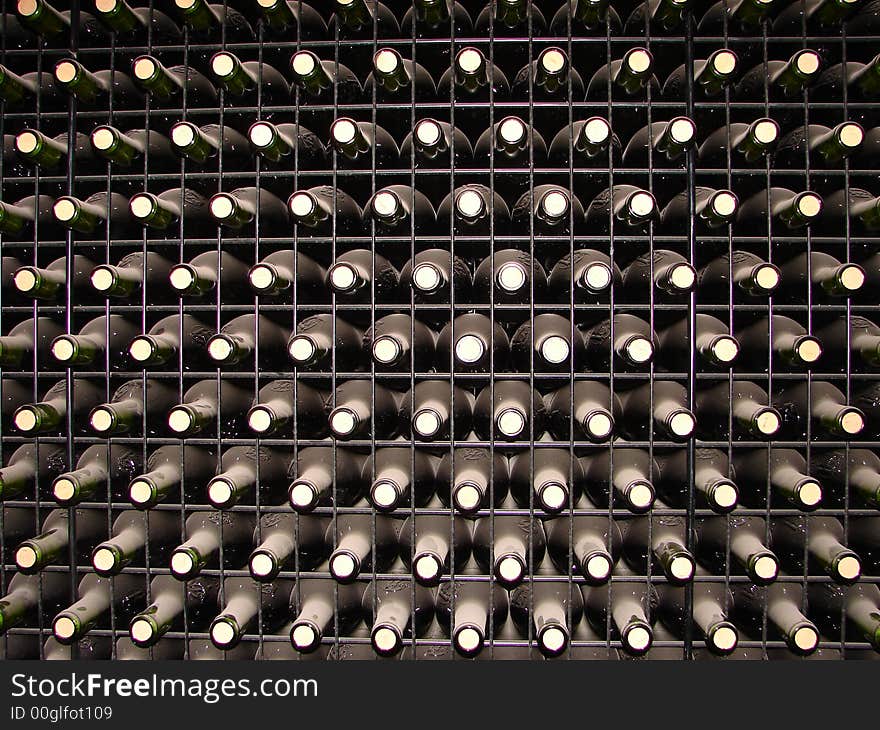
x=14, y=218
x=77, y=486
x=198, y=15
x=153, y=622
x=118, y=16
x=80, y=216
x=79, y=82
x=154, y=212
x=153, y=487
x=188, y=560
x=110, y=557
x=273, y=552
x=237, y=616
x=14, y=89
x=34, y=554
x=234, y=77
x=74, y=622
x=118, y=417
x=193, y=143
x=13, y=348
x=41, y=18
x=314, y=620
x=16, y=478
x=40, y=150
x=155, y=79
x=16, y=605
x=116, y=147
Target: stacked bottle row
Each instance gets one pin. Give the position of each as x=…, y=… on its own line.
x=586, y=553
x=353, y=21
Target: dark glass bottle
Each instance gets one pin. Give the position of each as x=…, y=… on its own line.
x=632, y=606
x=51, y=154
x=587, y=408
x=736, y=545
x=506, y=545
x=549, y=478
x=26, y=596
x=627, y=477
x=664, y=143
x=171, y=470
x=743, y=272
x=658, y=408
x=284, y=144
x=323, y=609
x=134, y=404
x=400, y=477
x=477, y=345
x=362, y=410
x=323, y=342
x=434, y=545
x=286, y=541
x=94, y=213
x=435, y=276
x=548, y=210
x=243, y=470
x=585, y=545
x=396, y=609
x=53, y=546
x=133, y=275
x=287, y=407
x=713, y=480
x=326, y=476
x=168, y=87
x=133, y=24
x=249, y=605
x=49, y=414
x=361, y=544
x=241, y=338
x=548, y=78
x=174, y=607
x=737, y=410
x=830, y=279
x=106, y=336
x=470, y=612
x=856, y=471
x=177, y=208
x=711, y=77
x=100, y=601
x=172, y=340
x=744, y=144
x=93, y=89
x=712, y=343
x=319, y=80
x=102, y=472
x=287, y=272
x=858, y=606
x=399, y=210
x=549, y=611
x=472, y=478
x=208, y=273
x=821, y=540
x=631, y=346
x=204, y=532
x=825, y=147
x=323, y=211
x=592, y=275
x=713, y=209
x=204, y=146
x=242, y=207
x=788, y=342
x=509, y=410
x=130, y=148
x=623, y=208
x=435, y=410
x=134, y=535
x=817, y=406
x=247, y=83
x=624, y=78
x=707, y=608
x=781, y=604
x=784, y=80
x=778, y=474
x=662, y=539
x=49, y=282
x=549, y=342
x=30, y=339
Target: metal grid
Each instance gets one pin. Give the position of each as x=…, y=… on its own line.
x=663, y=179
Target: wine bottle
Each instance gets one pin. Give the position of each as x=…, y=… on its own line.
x=211, y=23
x=286, y=143
x=323, y=210
x=433, y=275
x=49, y=413
x=174, y=607
x=50, y=283
x=780, y=603
x=628, y=607
x=289, y=273
x=711, y=77
x=21, y=91
x=170, y=86
x=631, y=346
x=134, y=273
x=661, y=142
x=396, y=609
x=790, y=345
x=246, y=83
x=474, y=210
x=244, y=469
x=851, y=472
x=319, y=80
x=18, y=219
x=437, y=146
x=817, y=406
x=359, y=275
x=245, y=336
x=707, y=608
x=398, y=342
x=402, y=211
x=101, y=337
x=133, y=409
x=208, y=273
x=548, y=209
x=825, y=147
x=248, y=606
x=292, y=19
x=549, y=611
x=662, y=539
x=133, y=146
x=360, y=145
x=548, y=78
x=284, y=540
x=713, y=480
x=205, y=532
x=435, y=410
x=624, y=207
x=712, y=342
x=853, y=78
x=172, y=469
x=357, y=19
x=508, y=18
x=816, y=16
x=736, y=545
x=323, y=608
x=434, y=545
x=551, y=478
x=362, y=409
x=400, y=477
x=171, y=340
x=509, y=410
x=53, y=544
x=855, y=337
x=658, y=17
x=28, y=596
x=821, y=540
x=587, y=408
x=132, y=24
x=201, y=407
x=472, y=77
x=586, y=142
x=745, y=16
x=781, y=79
x=97, y=211
x=666, y=270
x=135, y=535
x=506, y=545
x=628, y=76
x=322, y=341
x=361, y=543
x=712, y=209
x=174, y=208
x=586, y=17
x=472, y=343
x=52, y=153
x=95, y=88
x=470, y=612
x=397, y=80
x=657, y=408
x=326, y=476
x=549, y=343
x=590, y=273
x=289, y=407
x=744, y=144
x=209, y=143
x=29, y=466
x=830, y=278
x=100, y=602
x=102, y=471
x=628, y=477
x=857, y=605
x=739, y=410
x=779, y=474
x=31, y=339
x=242, y=207
x=510, y=144
x=472, y=478
x=742, y=272
x=584, y=545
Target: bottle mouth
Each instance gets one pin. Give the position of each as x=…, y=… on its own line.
x=387, y=350
x=469, y=349
x=184, y=135
x=182, y=420
x=183, y=278
x=554, y=206
x=680, y=569
x=261, y=135
x=428, y=568
x=302, y=205
x=850, y=421
x=596, y=567
x=221, y=348
x=344, y=131
x=808, y=494
x=303, y=496
x=66, y=489
x=103, y=278
x=427, y=423
x=107, y=560
x=681, y=424
x=763, y=568
x=470, y=206
x=386, y=640
x=384, y=495
x=428, y=133
x=640, y=496
x=27, y=558
x=222, y=207
x=225, y=632
x=261, y=419
x=29, y=419
x=724, y=349
x=469, y=60
x=263, y=277
x=846, y=568
x=468, y=640
x=553, y=496
x=221, y=493
x=304, y=63
x=142, y=493
x=65, y=349
x=637, y=638
x=263, y=566
x=345, y=565
x=511, y=277
x=555, y=350
x=596, y=277
x=143, y=631
x=722, y=638
x=143, y=349
x=638, y=350
x=467, y=497
x=723, y=496
x=66, y=629
x=511, y=422
x=598, y=425
x=553, y=61
x=302, y=349
x=305, y=636
x=344, y=422
x=27, y=279
x=510, y=569
x=427, y=278
x=185, y=563
x=681, y=278
x=766, y=422
x=804, y=639
x=103, y=420
x=343, y=278
x=552, y=640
